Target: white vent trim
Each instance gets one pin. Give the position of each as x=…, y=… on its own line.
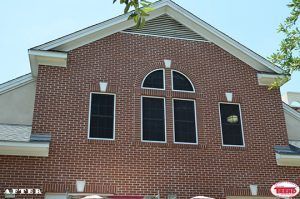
x=167, y=27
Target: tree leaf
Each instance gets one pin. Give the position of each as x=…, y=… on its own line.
x=148, y=9
x=138, y=23
x=127, y=8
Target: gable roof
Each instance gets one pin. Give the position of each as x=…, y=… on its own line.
x=16, y=83
x=59, y=47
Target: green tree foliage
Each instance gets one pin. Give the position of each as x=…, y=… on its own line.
x=288, y=54
x=141, y=10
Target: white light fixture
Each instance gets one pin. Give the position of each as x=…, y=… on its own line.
x=167, y=63
x=253, y=189
x=172, y=196
x=92, y=197
x=229, y=97
x=103, y=86
x=201, y=197
x=9, y=196
x=80, y=184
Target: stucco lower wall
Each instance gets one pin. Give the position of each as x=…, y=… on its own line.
x=293, y=127
x=16, y=106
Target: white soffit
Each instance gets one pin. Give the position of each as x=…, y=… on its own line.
x=267, y=79
x=49, y=58
x=288, y=160
x=181, y=15
x=24, y=148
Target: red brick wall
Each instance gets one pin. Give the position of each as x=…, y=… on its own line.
x=128, y=167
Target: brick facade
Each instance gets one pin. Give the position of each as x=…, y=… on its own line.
x=128, y=166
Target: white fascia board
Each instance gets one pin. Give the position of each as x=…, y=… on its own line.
x=287, y=160
x=49, y=58
x=222, y=40
x=50, y=54
x=16, y=83
x=293, y=113
x=267, y=79
x=99, y=31
x=39, y=149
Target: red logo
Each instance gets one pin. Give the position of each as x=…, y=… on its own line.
x=285, y=189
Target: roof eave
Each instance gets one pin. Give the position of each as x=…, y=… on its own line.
x=49, y=58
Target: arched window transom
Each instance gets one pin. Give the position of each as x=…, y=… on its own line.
x=155, y=80
x=180, y=82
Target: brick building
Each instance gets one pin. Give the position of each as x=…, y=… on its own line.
x=177, y=109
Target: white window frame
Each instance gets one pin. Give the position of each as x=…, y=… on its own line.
x=165, y=115
x=90, y=109
x=242, y=126
x=196, y=126
x=164, y=80
x=186, y=78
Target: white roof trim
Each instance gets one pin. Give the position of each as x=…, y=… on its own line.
x=267, y=79
x=120, y=23
x=16, y=83
x=49, y=58
x=287, y=160
x=39, y=149
x=289, y=110
x=61, y=55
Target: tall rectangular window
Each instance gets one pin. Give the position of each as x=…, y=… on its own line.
x=102, y=116
x=185, y=129
x=153, y=119
x=231, y=122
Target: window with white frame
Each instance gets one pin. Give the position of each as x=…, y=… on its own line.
x=180, y=82
x=102, y=116
x=153, y=110
x=153, y=116
x=155, y=80
x=231, y=124
x=184, y=119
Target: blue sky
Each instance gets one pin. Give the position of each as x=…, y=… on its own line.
x=25, y=24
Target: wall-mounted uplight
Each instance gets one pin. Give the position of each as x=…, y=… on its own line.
x=167, y=63
x=229, y=97
x=103, y=86
x=253, y=189
x=172, y=196
x=92, y=197
x=80, y=184
x=9, y=195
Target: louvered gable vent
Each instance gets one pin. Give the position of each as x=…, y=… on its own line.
x=166, y=26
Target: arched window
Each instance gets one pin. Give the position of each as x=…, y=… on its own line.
x=153, y=109
x=155, y=80
x=181, y=83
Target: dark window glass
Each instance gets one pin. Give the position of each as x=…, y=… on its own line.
x=231, y=124
x=153, y=119
x=102, y=116
x=155, y=80
x=184, y=121
x=181, y=83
